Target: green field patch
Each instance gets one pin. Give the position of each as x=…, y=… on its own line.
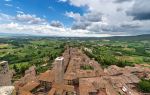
x=131, y=59
x=129, y=49
x=2, y=46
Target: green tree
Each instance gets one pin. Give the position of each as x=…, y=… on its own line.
x=144, y=86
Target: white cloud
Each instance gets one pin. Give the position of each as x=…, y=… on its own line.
x=86, y=21
x=133, y=24
x=48, y=30
x=18, y=8
x=4, y=18
x=140, y=10
x=51, y=8
x=75, y=16
x=20, y=12
x=102, y=18
x=56, y=24
x=30, y=19
x=62, y=1
x=107, y=8
x=8, y=0
x=9, y=5
x=111, y=16
x=19, y=24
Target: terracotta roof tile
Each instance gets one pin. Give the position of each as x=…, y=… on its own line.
x=52, y=91
x=30, y=86
x=25, y=93
x=47, y=76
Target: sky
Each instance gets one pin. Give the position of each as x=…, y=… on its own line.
x=75, y=18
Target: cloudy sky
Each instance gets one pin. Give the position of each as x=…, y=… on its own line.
x=77, y=18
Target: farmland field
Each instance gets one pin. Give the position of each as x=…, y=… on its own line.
x=21, y=53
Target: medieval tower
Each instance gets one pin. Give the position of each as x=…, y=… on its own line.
x=5, y=74
x=59, y=69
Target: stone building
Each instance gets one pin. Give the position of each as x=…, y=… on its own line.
x=46, y=79
x=7, y=90
x=5, y=74
x=68, y=78
x=59, y=69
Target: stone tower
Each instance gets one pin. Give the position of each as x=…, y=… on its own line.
x=59, y=70
x=5, y=74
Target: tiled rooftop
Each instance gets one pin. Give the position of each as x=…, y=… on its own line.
x=47, y=76
x=101, y=82
x=30, y=86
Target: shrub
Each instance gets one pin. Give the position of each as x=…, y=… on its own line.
x=144, y=86
x=86, y=67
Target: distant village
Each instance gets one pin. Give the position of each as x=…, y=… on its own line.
x=74, y=73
